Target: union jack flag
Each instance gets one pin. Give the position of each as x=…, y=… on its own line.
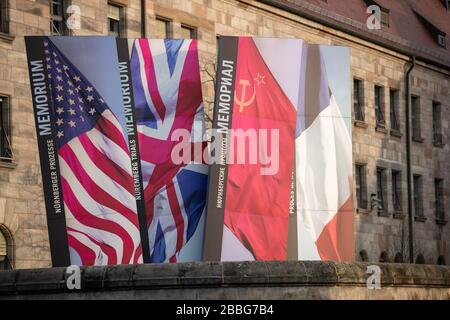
x=167, y=95
x=97, y=185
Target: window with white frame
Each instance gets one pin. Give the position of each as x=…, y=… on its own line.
x=115, y=20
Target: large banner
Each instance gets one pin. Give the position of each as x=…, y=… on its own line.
x=82, y=126
x=108, y=114
x=281, y=186
x=323, y=154
x=120, y=126
x=170, y=124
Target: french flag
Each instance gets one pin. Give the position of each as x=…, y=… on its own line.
x=323, y=154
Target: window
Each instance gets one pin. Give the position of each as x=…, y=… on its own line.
x=363, y=256
x=441, y=40
x=58, y=17
x=115, y=20
x=398, y=258
x=358, y=99
x=163, y=28
x=384, y=257
x=415, y=118
x=396, y=190
x=2, y=252
x=361, y=187
x=446, y=4
x=379, y=108
x=437, y=124
x=439, y=199
x=393, y=101
x=6, y=154
x=5, y=249
x=385, y=17
x=420, y=259
x=188, y=32
x=418, y=203
x=381, y=189
x=4, y=19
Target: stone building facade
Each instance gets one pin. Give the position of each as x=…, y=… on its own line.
x=377, y=59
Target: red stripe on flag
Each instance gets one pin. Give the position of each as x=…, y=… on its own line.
x=150, y=208
x=336, y=241
x=95, y=191
x=107, y=165
x=87, y=218
x=87, y=255
x=159, y=179
x=109, y=251
x=108, y=129
x=177, y=215
x=137, y=254
x=151, y=78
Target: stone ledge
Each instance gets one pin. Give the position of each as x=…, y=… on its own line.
x=398, y=215
x=360, y=123
x=8, y=165
x=396, y=133
x=420, y=218
x=380, y=128
x=418, y=139
x=220, y=275
x=6, y=37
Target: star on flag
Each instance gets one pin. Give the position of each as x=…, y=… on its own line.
x=259, y=79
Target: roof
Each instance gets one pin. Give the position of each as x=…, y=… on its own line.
x=406, y=32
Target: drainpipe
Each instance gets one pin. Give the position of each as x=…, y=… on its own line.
x=143, y=19
x=408, y=162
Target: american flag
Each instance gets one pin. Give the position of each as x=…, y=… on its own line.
x=99, y=202
x=167, y=95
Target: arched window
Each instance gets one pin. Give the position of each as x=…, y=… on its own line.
x=6, y=246
x=398, y=258
x=420, y=259
x=384, y=257
x=441, y=261
x=363, y=256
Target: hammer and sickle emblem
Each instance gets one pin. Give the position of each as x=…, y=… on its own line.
x=242, y=103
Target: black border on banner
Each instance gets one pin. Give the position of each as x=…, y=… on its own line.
x=45, y=132
x=124, y=58
x=212, y=247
